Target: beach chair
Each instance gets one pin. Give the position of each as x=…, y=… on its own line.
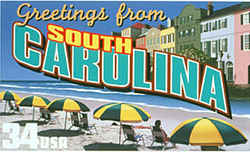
x=82, y=123
x=74, y=120
x=44, y=115
x=13, y=107
x=159, y=137
x=10, y=104
x=130, y=135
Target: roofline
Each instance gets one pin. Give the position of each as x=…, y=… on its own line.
x=226, y=14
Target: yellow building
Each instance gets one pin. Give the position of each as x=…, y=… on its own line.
x=168, y=40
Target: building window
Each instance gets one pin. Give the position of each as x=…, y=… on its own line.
x=172, y=50
x=216, y=23
x=224, y=45
x=245, y=42
x=162, y=39
x=209, y=27
x=187, y=32
x=190, y=18
x=181, y=34
x=158, y=40
x=224, y=23
x=213, y=26
x=183, y=20
x=219, y=25
x=192, y=31
x=169, y=38
x=206, y=28
x=172, y=37
x=229, y=67
x=213, y=47
x=245, y=18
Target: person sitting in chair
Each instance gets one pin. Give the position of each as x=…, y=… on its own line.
x=45, y=114
x=75, y=119
x=157, y=127
x=10, y=105
x=159, y=134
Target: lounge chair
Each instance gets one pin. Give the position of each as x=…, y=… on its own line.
x=82, y=122
x=44, y=115
x=130, y=135
x=159, y=137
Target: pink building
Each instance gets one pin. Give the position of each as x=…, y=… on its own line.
x=242, y=46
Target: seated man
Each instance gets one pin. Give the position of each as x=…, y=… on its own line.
x=10, y=104
x=130, y=135
x=84, y=123
x=45, y=114
x=159, y=135
x=75, y=119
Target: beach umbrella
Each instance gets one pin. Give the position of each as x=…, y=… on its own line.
x=8, y=96
x=33, y=101
x=207, y=132
x=121, y=112
x=67, y=105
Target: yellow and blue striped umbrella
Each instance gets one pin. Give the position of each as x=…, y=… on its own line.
x=68, y=105
x=121, y=112
x=207, y=132
x=8, y=96
x=33, y=101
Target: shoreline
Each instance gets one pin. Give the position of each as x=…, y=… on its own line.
x=139, y=104
x=233, y=90
x=170, y=118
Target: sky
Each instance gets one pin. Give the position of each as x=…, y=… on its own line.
x=10, y=70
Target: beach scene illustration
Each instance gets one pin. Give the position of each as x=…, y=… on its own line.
x=177, y=83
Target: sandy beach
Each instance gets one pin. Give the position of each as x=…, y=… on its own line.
x=109, y=135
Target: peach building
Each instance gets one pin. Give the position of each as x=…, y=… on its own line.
x=242, y=46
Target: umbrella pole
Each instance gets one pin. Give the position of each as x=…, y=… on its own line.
x=5, y=106
x=33, y=113
x=120, y=133
x=65, y=120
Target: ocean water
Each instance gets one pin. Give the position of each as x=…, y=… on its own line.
x=98, y=94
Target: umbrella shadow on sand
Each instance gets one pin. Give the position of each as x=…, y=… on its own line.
x=59, y=133
x=23, y=122
x=110, y=147
x=6, y=114
x=160, y=148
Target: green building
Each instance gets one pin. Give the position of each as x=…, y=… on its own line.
x=188, y=27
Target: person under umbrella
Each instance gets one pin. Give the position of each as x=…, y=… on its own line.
x=9, y=96
x=33, y=101
x=67, y=105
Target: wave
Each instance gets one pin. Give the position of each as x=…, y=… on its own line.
x=72, y=89
x=137, y=103
x=54, y=84
x=11, y=86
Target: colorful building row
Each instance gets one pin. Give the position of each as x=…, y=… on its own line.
x=224, y=35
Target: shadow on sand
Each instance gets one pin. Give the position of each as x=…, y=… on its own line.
x=23, y=122
x=7, y=113
x=59, y=133
x=110, y=146
x=159, y=148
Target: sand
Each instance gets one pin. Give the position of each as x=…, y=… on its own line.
x=108, y=135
